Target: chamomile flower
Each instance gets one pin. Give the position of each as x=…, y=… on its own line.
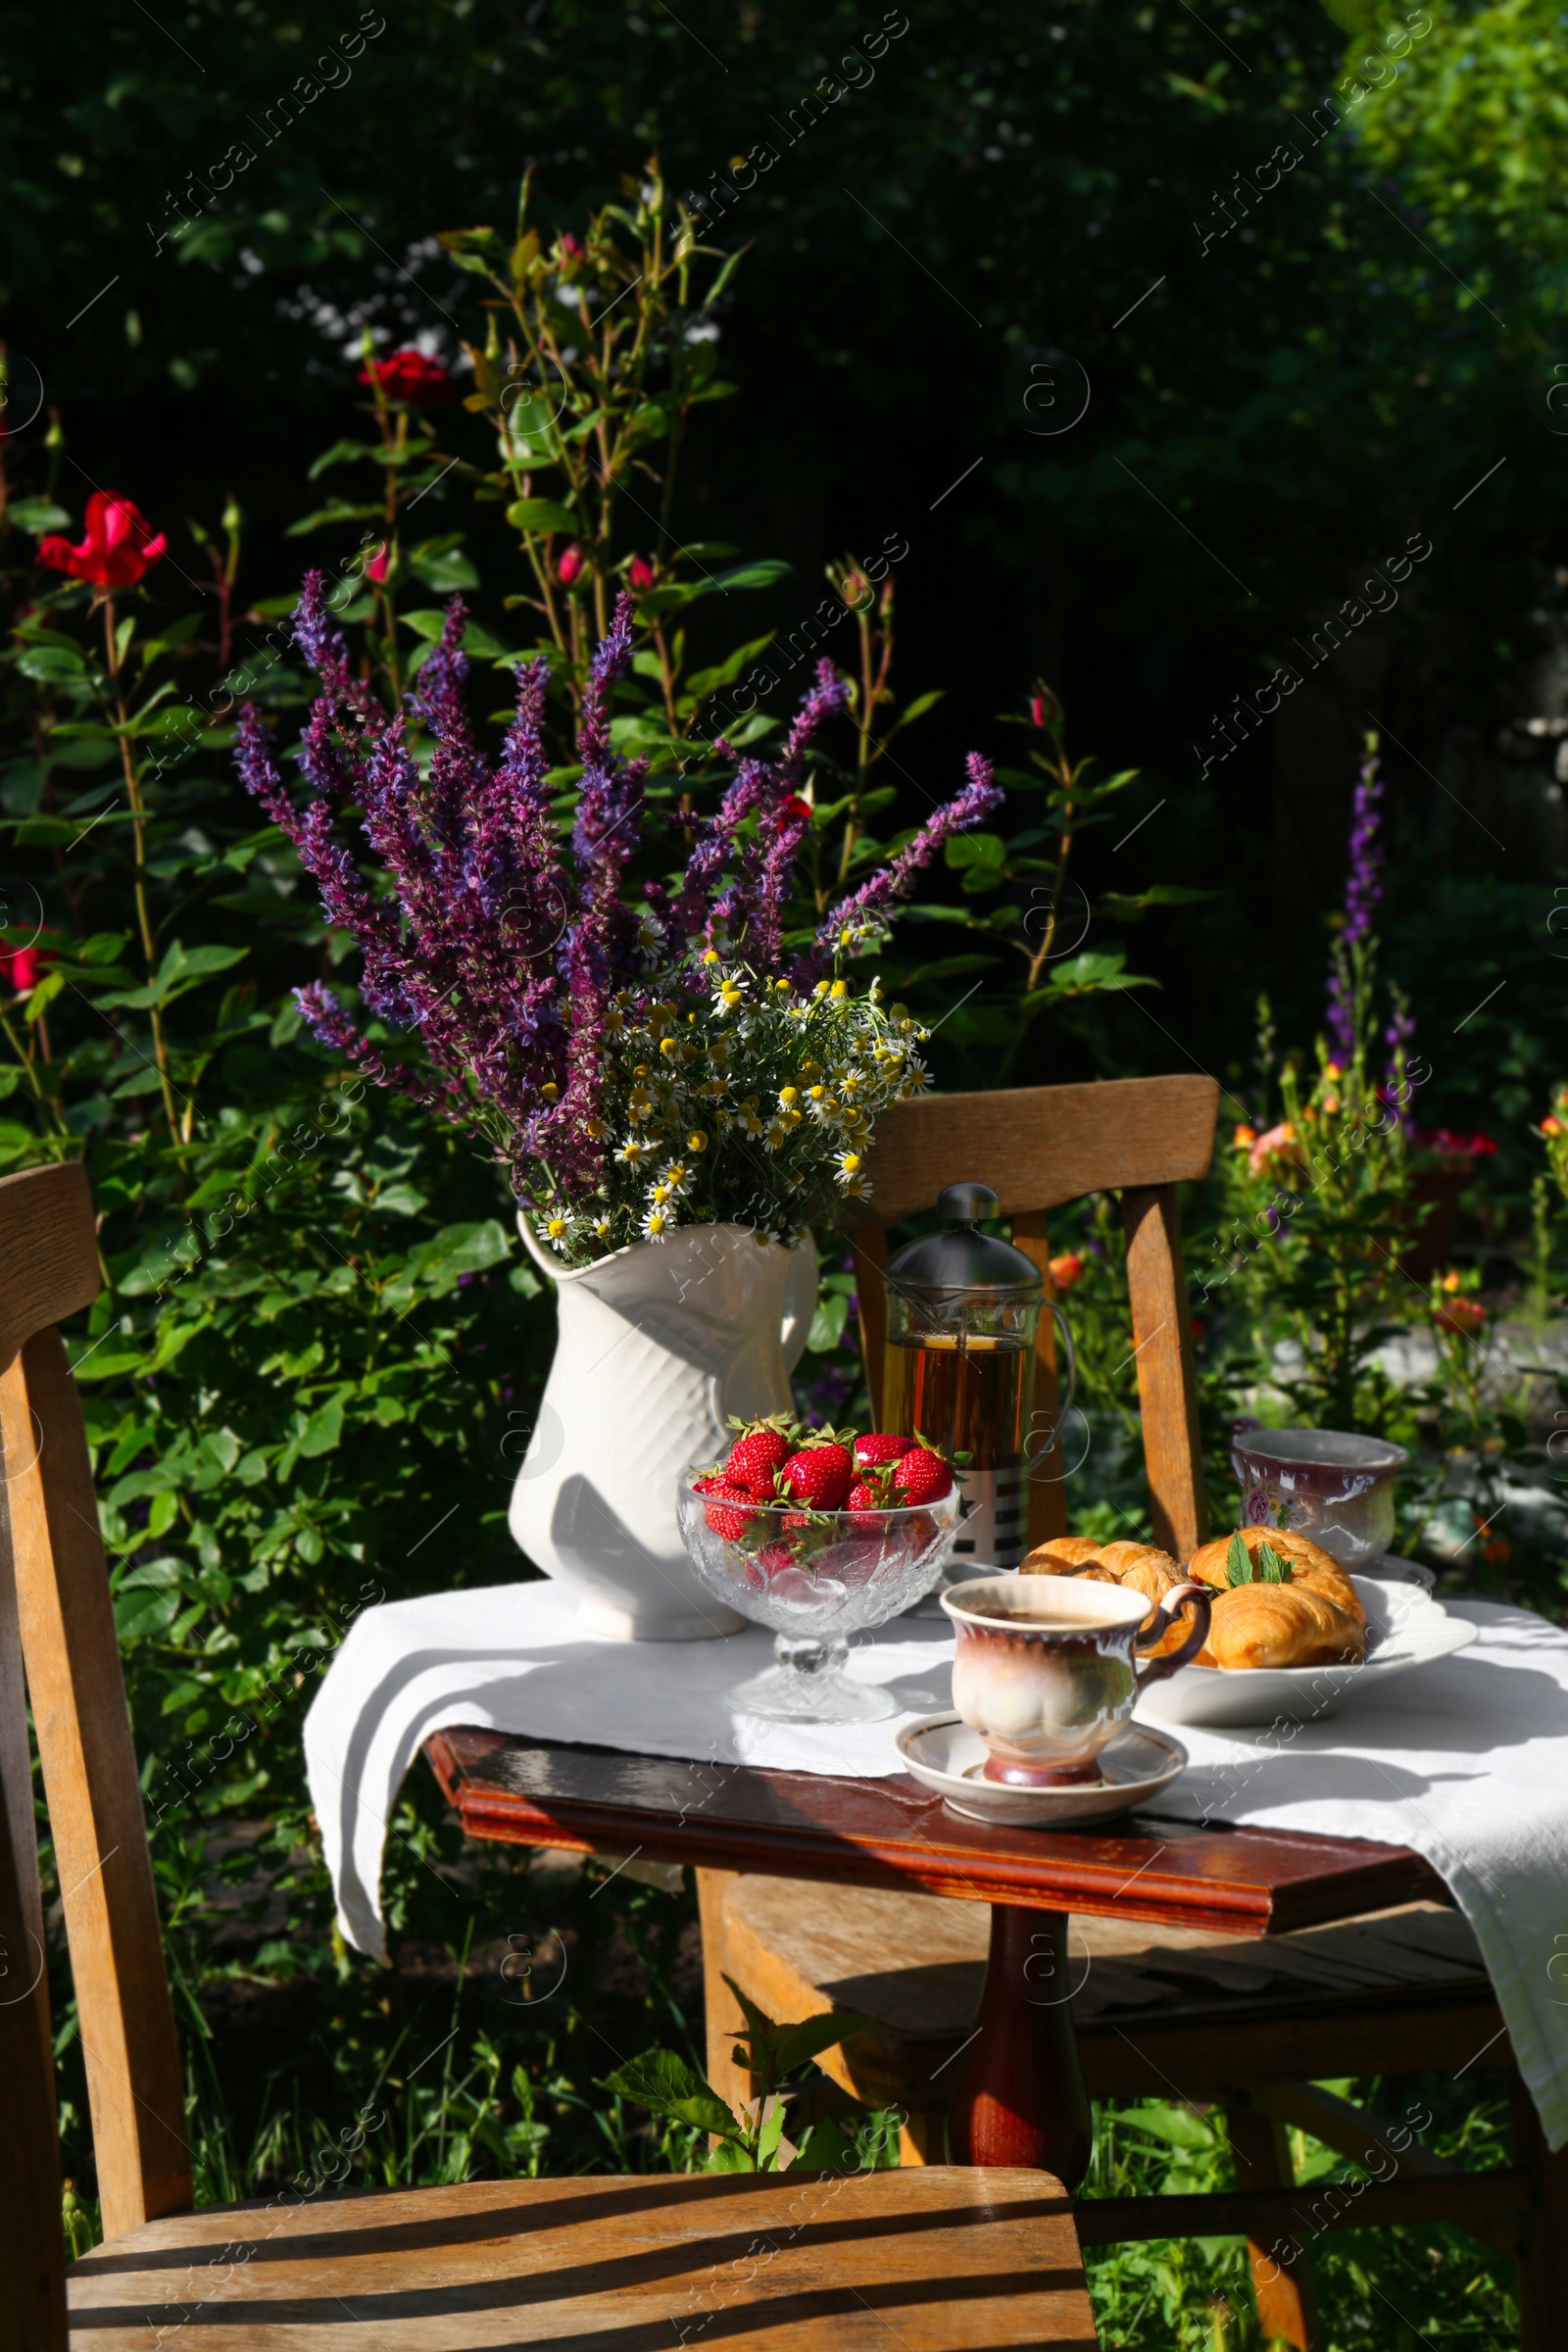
x=633, y=1152
x=776, y=1136
x=730, y=993
x=559, y=1231
x=748, y=1118
x=656, y=1224
x=675, y=1179
x=603, y=1231
x=848, y=1175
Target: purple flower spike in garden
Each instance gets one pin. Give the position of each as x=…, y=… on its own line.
x=1349, y=976
x=637, y=1047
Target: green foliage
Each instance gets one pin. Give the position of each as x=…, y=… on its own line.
x=749, y=2139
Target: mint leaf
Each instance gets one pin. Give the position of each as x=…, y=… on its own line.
x=1238, y=1560
x=1271, y=1568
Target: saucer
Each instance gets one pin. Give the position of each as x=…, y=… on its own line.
x=944, y=1754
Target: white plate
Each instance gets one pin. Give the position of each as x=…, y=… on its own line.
x=946, y=1755
x=1404, y=1627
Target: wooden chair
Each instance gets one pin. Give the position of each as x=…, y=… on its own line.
x=939, y=2261
x=1161, y=2012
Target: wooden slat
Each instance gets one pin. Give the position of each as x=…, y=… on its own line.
x=1047, y=1488
x=1287, y=2305
x=31, y=2256
x=939, y=2259
x=1297, y=2214
x=90, y=1781
x=1040, y=1146
x=16, y=1783
x=1167, y=1382
x=49, y=1259
x=892, y=1833
x=1277, y=2038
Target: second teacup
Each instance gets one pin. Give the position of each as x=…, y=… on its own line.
x=1047, y=1668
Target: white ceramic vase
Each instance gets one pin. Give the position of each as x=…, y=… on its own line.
x=657, y=1345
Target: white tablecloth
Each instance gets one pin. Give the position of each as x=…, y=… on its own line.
x=1465, y=1760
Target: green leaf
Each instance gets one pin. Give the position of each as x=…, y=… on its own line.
x=342, y=453
x=761, y=574
x=1272, y=1570
x=798, y=2043
x=826, y=2148
x=975, y=848
x=443, y=566
x=324, y=1430
x=1238, y=1561
x=37, y=516
x=663, y=2081
x=52, y=666
x=540, y=514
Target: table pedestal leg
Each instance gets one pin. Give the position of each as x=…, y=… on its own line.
x=1018, y=2097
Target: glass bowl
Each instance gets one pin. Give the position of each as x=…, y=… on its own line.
x=815, y=1576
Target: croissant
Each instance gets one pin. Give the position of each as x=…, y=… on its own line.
x=1317, y=1619
x=1310, y=1566
x=1139, y=1567
x=1281, y=1625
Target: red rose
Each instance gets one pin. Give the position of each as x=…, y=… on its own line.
x=119, y=547
x=22, y=968
x=641, y=574
x=411, y=379
x=569, y=565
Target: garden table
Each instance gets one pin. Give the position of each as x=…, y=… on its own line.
x=1018, y=2096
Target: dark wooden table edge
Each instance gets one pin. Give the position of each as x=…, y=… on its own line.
x=1363, y=1877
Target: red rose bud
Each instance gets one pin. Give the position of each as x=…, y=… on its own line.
x=1462, y=1315
x=377, y=566
x=569, y=563
x=119, y=548
x=640, y=574
x=409, y=380
x=24, y=968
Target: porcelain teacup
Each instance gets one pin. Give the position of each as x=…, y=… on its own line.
x=1047, y=1668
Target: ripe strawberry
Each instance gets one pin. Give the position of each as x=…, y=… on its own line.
x=772, y=1557
x=875, y=1448
x=922, y=1475
x=755, y=1460
x=864, y=1496
x=724, y=1515
x=819, y=1475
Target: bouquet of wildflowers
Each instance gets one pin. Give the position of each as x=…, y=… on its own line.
x=643, y=1053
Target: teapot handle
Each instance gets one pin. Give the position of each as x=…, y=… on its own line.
x=1157, y=1625
x=1032, y=1461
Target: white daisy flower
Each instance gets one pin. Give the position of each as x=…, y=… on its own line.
x=675, y=1178
x=559, y=1231
x=632, y=1151
x=657, y=1223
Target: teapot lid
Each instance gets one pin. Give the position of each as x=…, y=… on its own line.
x=962, y=1259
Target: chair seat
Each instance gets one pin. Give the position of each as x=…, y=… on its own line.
x=936, y=2260
x=1409, y=1980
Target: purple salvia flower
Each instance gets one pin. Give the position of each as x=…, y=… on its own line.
x=979, y=798
x=1364, y=894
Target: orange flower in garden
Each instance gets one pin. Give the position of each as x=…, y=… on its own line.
x=119, y=548
x=1244, y=1137
x=1550, y=1126
x=1278, y=1147
x=1067, y=1269
x=1463, y=1316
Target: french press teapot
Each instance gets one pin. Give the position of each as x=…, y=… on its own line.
x=959, y=1370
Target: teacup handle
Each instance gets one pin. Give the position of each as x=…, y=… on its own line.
x=1155, y=1629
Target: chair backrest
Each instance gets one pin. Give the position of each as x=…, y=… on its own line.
x=57, y=1621
x=1036, y=1147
